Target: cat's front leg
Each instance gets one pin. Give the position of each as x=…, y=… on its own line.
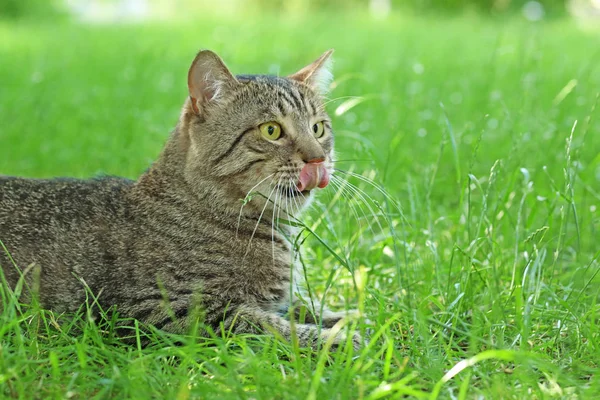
x=249, y=319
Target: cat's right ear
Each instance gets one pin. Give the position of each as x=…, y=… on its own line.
x=209, y=80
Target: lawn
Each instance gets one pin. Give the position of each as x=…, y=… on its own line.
x=478, y=271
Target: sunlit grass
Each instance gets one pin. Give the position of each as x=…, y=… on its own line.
x=480, y=277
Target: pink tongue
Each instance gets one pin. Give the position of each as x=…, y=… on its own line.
x=313, y=175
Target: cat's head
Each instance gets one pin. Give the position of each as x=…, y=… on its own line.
x=259, y=136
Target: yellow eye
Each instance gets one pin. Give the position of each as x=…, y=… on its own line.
x=270, y=130
x=318, y=129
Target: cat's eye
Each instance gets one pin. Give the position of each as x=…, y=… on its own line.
x=270, y=130
x=318, y=129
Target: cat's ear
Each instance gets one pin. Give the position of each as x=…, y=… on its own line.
x=209, y=80
x=318, y=75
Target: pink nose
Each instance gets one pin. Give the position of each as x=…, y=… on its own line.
x=313, y=174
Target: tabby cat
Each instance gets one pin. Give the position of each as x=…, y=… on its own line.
x=179, y=236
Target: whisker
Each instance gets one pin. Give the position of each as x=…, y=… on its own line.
x=287, y=208
x=334, y=199
x=258, y=221
x=293, y=204
x=298, y=202
x=331, y=100
x=275, y=205
x=358, y=192
x=278, y=210
x=378, y=188
x=342, y=190
x=291, y=198
x=245, y=200
x=303, y=203
x=352, y=160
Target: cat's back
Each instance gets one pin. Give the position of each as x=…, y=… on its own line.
x=62, y=226
x=58, y=222
x=35, y=202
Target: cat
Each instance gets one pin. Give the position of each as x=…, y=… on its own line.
x=179, y=236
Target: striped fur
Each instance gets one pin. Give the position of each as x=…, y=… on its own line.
x=180, y=238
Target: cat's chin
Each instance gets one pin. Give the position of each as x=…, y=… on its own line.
x=294, y=200
x=293, y=192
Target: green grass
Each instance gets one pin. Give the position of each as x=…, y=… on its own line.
x=486, y=134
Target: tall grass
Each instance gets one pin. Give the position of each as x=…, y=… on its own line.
x=478, y=274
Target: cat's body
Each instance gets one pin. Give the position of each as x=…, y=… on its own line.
x=179, y=236
x=117, y=235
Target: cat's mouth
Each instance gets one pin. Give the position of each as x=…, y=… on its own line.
x=313, y=175
x=292, y=191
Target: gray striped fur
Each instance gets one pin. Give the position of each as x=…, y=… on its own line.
x=178, y=237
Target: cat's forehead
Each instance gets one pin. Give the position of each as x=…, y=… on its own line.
x=265, y=79
x=287, y=93
x=275, y=83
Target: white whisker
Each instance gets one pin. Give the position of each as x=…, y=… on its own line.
x=358, y=192
x=278, y=210
x=245, y=200
x=296, y=201
x=287, y=207
x=258, y=221
x=275, y=205
x=377, y=187
x=331, y=100
x=340, y=185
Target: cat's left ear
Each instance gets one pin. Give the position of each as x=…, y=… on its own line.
x=318, y=75
x=209, y=80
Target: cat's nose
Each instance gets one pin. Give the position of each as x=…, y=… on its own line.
x=311, y=153
x=312, y=157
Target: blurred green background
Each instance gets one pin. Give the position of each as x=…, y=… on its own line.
x=40, y=8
